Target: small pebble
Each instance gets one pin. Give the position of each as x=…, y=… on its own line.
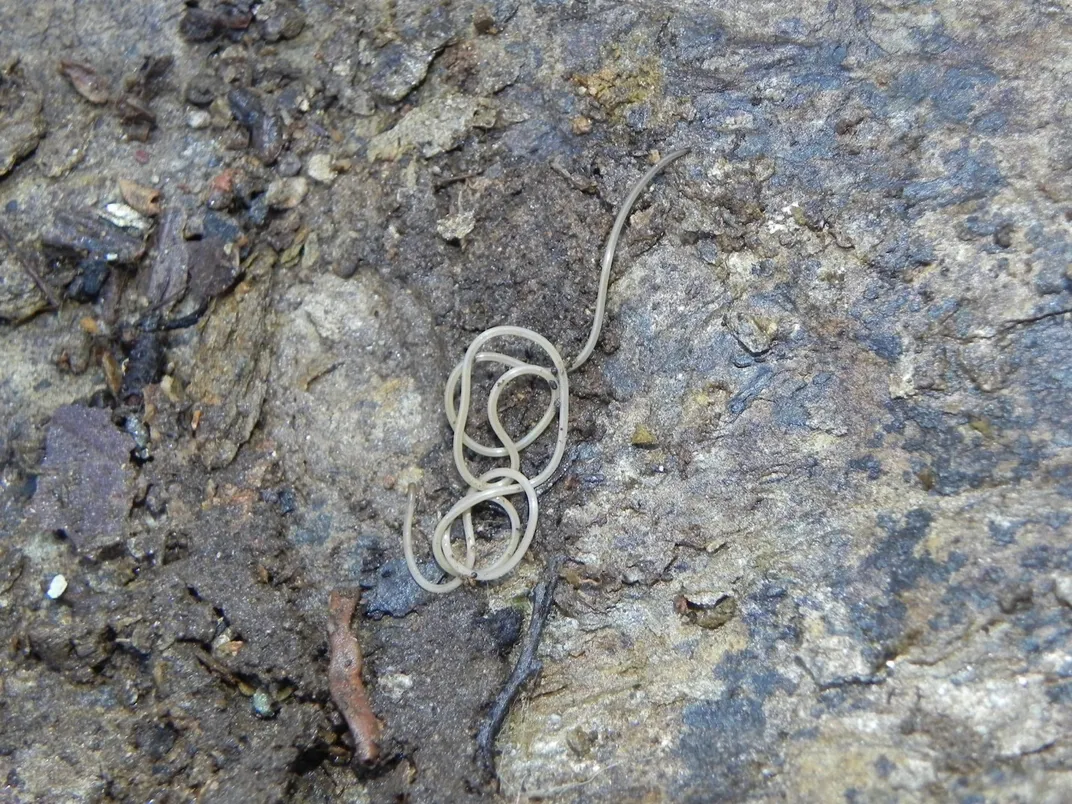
x=198, y=119
x=483, y=21
x=201, y=89
x=632, y=576
x=279, y=19
x=708, y=251
x=145, y=200
x=289, y=165
x=198, y=25
x=310, y=259
x=347, y=254
x=643, y=437
x=454, y=228
x=287, y=193
x=321, y=169
x=504, y=625
x=396, y=685
x=57, y=587
x=263, y=705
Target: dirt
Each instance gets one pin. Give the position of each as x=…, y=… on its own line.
x=815, y=507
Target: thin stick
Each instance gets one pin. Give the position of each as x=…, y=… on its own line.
x=344, y=679
x=527, y=667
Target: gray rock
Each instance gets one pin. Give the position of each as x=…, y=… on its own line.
x=321, y=168
x=22, y=125
x=87, y=483
x=395, y=593
x=400, y=68
x=287, y=193
x=279, y=19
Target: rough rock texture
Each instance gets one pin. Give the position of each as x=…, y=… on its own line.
x=815, y=511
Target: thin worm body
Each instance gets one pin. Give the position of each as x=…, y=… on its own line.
x=496, y=485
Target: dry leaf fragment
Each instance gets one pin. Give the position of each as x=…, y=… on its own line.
x=145, y=200
x=87, y=82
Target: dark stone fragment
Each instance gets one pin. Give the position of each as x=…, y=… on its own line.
x=265, y=129
x=351, y=251
x=395, y=592
x=483, y=21
x=400, y=68
x=740, y=401
x=247, y=187
x=279, y=19
x=1003, y=235
x=246, y=107
x=257, y=215
x=168, y=273
x=83, y=234
x=214, y=268
x=289, y=165
x=234, y=18
x=288, y=501
x=154, y=739
x=198, y=25
x=201, y=90
x=284, y=499
x=888, y=346
x=145, y=364
x=883, y=767
x=267, y=139
x=92, y=275
x=868, y=464
x=504, y=626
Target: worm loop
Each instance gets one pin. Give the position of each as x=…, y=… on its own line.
x=496, y=485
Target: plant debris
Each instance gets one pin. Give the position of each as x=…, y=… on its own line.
x=526, y=668
x=344, y=678
x=166, y=278
x=86, y=234
x=643, y=437
x=706, y=611
x=228, y=395
x=86, y=81
x=145, y=200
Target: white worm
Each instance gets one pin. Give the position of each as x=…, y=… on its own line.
x=495, y=485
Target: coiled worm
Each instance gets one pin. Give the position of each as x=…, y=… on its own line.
x=496, y=485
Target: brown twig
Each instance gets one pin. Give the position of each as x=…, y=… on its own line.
x=527, y=667
x=344, y=678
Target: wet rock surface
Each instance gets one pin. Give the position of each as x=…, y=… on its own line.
x=815, y=513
